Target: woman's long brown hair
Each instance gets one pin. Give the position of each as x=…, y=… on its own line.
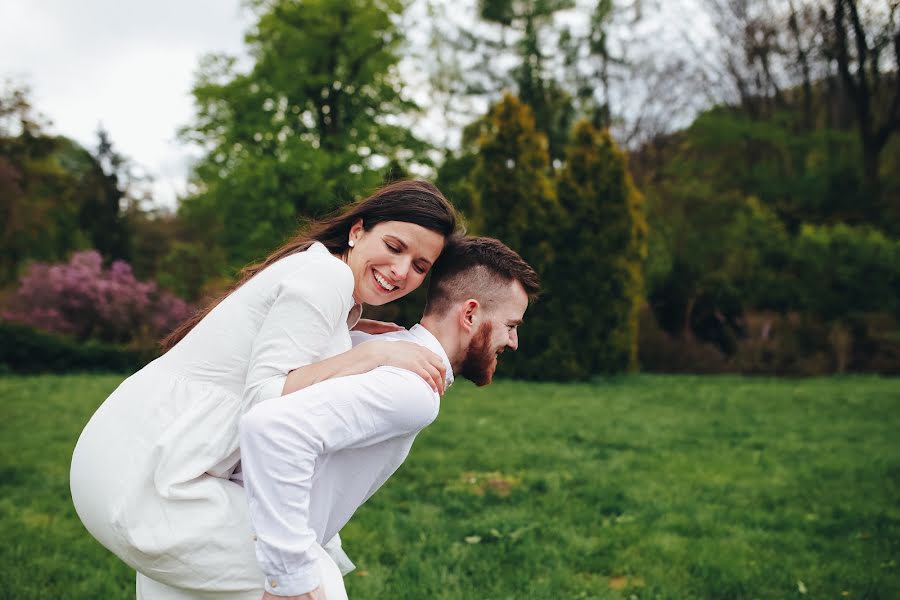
x=416, y=202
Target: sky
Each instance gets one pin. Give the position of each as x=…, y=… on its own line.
x=127, y=64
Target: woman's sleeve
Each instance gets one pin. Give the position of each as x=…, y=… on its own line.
x=307, y=308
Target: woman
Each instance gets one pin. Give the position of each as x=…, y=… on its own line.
x=155, y=474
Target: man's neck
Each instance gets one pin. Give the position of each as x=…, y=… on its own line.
x=448, y=336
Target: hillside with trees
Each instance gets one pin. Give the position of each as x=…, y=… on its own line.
x=727, y=202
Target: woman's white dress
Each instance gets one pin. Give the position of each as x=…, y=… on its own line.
x=150, y=474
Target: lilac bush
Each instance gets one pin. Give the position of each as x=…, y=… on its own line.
x=82, y=299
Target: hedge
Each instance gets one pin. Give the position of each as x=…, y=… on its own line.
x=27, y=350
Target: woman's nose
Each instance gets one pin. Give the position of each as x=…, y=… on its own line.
x=400, y=268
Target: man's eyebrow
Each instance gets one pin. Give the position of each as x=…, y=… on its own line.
x=516, y=322
x=403, y=246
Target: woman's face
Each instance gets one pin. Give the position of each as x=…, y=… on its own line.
x=390, y=260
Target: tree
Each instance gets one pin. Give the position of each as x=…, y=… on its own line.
x=303, y=130
x=512, y=181
x=516, y=202
x=103, y=188
x=859, y=48
x=600, y=254
x=55, y=196
x=512, y=47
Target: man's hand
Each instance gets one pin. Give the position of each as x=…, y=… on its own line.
x=316, y=594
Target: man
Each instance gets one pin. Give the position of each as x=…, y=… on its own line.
x=311, y=458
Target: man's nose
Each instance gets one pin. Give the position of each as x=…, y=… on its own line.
x=513, y=340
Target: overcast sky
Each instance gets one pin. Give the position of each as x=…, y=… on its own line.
x=127, y=64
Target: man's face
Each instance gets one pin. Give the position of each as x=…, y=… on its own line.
x=497, y=332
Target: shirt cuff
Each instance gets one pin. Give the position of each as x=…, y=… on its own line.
x=294, y=584
x=336, y=552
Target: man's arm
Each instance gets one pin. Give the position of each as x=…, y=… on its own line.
x=368, y=353
x=281, y=440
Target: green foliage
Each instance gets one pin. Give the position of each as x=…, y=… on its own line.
x=300, y=132
x=188, y=267
x=804, y=176
x=55, y=196
x=673, y=487
x=512, y=182
x=842, y=270
x=597, y=275
x=587, y=240
x=27, y=350
x=710, y=257
x=517, y=201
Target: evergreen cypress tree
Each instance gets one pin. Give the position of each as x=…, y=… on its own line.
x=512, y=180
x=602, y=245
x=516, y=197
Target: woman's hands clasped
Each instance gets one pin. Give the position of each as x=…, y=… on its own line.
x=316, y=594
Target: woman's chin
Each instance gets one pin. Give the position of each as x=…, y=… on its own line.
x=375, y=298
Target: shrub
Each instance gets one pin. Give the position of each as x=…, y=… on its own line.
x=795, y=344
x=27, y=350
x=83, y=300
x=661, y=352
x=842, y=270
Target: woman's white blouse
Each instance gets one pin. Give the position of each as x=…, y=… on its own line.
x=174, y=423
x=292, y=313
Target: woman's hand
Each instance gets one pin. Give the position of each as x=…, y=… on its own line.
x=316, y=594
x=375, y=327
x=412, y=357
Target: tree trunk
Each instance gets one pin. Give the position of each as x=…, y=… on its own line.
x=872, y=179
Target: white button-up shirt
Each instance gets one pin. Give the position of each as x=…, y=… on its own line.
x=312, y=457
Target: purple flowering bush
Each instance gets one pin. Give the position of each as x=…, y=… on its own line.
x=83, y=300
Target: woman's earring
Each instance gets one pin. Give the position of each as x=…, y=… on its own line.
x=351, y=243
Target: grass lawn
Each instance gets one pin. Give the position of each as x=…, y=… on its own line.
x=640, y=487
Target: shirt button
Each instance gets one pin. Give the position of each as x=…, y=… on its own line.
x=273, y=583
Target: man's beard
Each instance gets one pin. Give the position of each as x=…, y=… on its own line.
x=478, y=364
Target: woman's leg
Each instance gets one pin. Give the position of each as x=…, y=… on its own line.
x=150, y=589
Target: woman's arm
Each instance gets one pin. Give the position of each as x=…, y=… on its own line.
x=307, y=306
x=375, y=327
x=370, y=355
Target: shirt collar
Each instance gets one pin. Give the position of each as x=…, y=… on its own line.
x=429, y=341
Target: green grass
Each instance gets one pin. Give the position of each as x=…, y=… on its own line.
x=643, y=487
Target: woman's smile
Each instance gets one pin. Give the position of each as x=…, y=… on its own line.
x=383, y=282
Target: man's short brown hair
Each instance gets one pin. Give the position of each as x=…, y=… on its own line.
x=476, y=267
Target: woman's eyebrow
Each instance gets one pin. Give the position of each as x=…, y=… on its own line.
x=404, y=246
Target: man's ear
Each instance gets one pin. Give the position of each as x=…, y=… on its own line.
x=469, y=315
